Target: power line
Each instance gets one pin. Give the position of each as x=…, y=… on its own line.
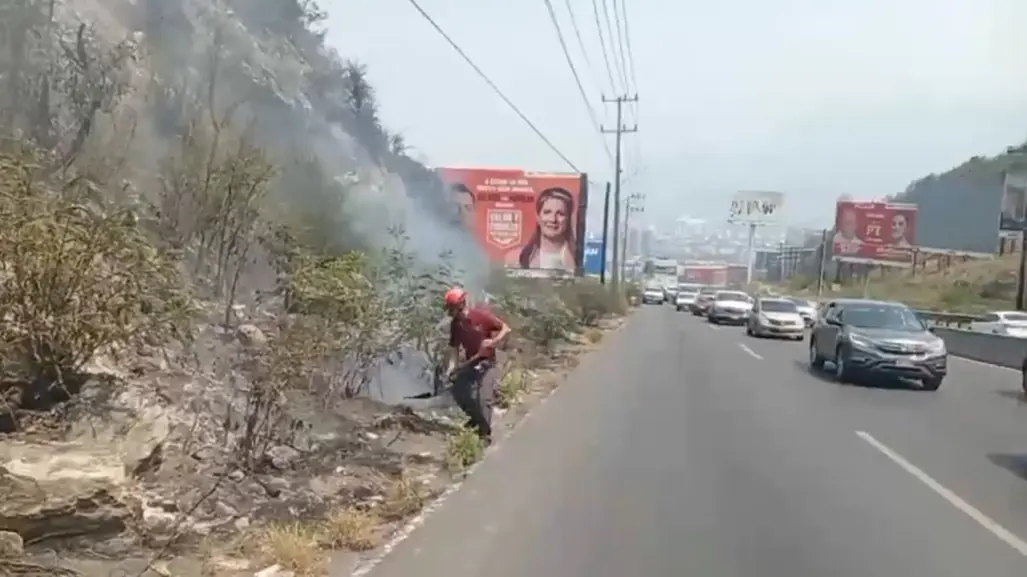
x=577, y=79
x=581, y=43
x=627, y=43
x=618, y=56
x=493, y=86
x=602, y=44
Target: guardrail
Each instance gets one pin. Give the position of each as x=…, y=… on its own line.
x=998, y=350
x=947, y=319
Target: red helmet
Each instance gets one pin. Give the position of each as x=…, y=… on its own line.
x=455, y=297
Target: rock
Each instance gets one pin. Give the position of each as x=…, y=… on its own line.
x=37, y=509
x=236, y=475
x=159, y=522
x=251, y=336
x=274, y=571
x=282, y=457
x=11, y=545
x=143, y=448
x=225, y=510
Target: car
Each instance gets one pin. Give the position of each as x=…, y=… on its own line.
x=776, y=317
x=670, y=294
x=702, y=301
x=865, y=338
x=1008, y=323
x=685, y=300
x=652, y=295
x=807, y=309
x=730, y=307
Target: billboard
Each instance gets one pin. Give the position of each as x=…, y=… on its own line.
x=756, y=207
x=874, y=232
x=1014, y=203
x=595, y=252
x=531, y=222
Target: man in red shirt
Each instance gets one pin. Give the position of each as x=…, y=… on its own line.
x=477, y=331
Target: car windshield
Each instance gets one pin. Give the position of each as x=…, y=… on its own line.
x=736, y=297
x=778, y=307
x=1014, y=317
x=885, y=317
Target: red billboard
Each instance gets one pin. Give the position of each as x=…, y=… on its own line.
x=528, y=221
x=880, y=232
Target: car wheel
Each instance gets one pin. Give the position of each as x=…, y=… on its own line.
x=930, y=384
x=711, y=320
x=815, y=360
x=841, y=367
x=748, y=330
x=800, y=338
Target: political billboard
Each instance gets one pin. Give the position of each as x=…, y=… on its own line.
x=756, y=207
x=532, y=223
x=874, y=232
x=595, y=252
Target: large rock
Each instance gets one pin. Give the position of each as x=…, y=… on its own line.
x=40, y=509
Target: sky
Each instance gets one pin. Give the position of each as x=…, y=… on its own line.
x=813, y=98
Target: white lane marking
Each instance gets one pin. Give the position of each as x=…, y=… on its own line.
x=751, y=352
x=713, y=327
x=982, y=364
x=1005, y=535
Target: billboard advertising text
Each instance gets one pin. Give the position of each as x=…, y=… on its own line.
x=875, y=232
x=594, y=255
x=527, y=221
x=1014, y=199
x=756, y=207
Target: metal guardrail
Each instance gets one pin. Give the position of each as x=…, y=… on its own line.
x=947, y=319
x=998, y=350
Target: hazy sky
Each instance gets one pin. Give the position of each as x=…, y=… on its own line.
x=815, y=98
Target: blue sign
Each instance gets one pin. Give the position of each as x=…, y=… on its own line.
x=594, y=255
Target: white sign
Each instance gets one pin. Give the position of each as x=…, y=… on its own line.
x=756, y=207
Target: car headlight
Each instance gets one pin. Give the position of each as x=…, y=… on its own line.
x=937, y=347
x=860, y=342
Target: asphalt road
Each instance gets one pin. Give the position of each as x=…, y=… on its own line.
x=682, y=449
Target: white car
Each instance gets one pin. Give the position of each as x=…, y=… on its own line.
x=1009, y=323
x=807, y=309
x=730, y=307
x=652, y=295
x=776, y=317
x=685, y=300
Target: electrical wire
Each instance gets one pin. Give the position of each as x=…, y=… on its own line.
x=493, y=86
x=627, y=43
x=618, y=56
x=602, y=44
x=581, y=44
x=577, y=78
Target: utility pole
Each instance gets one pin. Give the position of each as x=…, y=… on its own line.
x=620, y=130
x=606, y=235
x=822, y=267
x=630, y=206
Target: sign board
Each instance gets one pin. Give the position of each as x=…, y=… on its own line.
x=1014, y=203
x=595, y=252
x=756, y=207
x=874, y=232
x=526, y=221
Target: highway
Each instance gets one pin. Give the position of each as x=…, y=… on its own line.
x=682, y=449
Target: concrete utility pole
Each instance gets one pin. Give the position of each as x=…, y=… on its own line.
x=632, y=204
x=620, y=130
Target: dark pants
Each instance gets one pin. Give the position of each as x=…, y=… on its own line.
x=473, y=390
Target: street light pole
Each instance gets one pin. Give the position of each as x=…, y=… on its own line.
x=631, y=204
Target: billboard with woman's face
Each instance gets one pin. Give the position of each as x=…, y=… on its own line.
x=529, y=221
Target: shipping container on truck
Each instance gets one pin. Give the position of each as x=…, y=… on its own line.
x=736, y=273
x=707, y=274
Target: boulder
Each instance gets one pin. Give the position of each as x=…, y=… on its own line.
x=38, y=509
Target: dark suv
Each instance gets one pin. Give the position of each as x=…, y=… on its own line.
x=866, y=338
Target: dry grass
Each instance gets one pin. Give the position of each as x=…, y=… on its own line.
x=350, y=528
x=593, y=335
x=294, y=546
x=404, y=498
x=512, y=387
x=463, y=449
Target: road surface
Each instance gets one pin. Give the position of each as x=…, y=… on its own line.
x=686, y=450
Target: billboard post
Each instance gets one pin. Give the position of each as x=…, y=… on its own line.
x=875, y=232
x=755, y=209
x=532, y=223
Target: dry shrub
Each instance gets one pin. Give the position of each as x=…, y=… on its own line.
x=463, y=449
x=351, y=528
x=511, y=387
x=294, y=546
x=404, y=497
x=590, y=301
x=593, y=335
x=75, y=279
